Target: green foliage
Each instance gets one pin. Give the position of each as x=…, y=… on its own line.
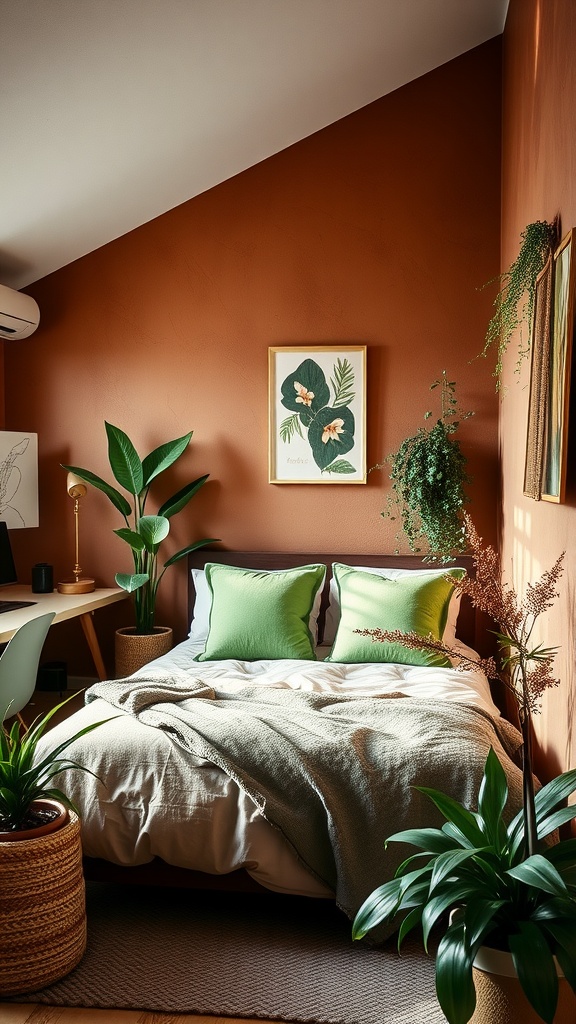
x=475, y=863
x=428, y=478
x=25, y=778
x=514, y=304
x=143, y=533
x=329, y=422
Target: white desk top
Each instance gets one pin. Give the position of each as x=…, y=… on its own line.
x=66, y=606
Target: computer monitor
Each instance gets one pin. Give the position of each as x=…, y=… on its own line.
x=7, y=567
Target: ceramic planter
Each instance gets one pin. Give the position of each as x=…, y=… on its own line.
x=42, y=907
x=133, y=650
x=499, y=996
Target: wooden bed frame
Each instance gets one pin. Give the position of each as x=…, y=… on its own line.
x=470, y=630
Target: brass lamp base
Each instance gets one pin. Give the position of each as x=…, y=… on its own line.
x=73, y=586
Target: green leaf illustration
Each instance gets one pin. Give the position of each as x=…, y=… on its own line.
x=289, y=427
x=342, y=382
x=331, y=434
x=305, y=391
x=340, y=466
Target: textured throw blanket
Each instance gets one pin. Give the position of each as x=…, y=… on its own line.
x=334, y=773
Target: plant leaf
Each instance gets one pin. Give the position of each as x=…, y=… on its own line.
x=133, y=582
x=163, y=457
x=454, y=985
x=179, y=500
x=191, y=547
x=457, y=814
x=539, y=873
x=124, y=460
x=535, y=968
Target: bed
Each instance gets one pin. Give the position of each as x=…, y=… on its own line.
x=277, y=747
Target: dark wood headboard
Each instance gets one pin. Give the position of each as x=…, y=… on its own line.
x=469, y=629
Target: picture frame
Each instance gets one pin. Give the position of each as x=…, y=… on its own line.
x=317, y=414
x=539, y=370
x=555, y=446
x=19, y=479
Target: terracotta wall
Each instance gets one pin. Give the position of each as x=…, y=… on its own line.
x=539, y=183
x=378, y=230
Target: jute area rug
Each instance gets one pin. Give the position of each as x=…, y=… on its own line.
x=240, y=955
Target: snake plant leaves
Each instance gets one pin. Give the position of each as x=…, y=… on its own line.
x=305, y=391
x=331, y=434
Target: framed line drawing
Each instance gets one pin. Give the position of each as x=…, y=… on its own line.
x=18, y=478
x=539, y=372
x=317, y=414
x=555, y=452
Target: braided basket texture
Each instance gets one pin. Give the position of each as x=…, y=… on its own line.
x=500, y=1000
x=42, y=909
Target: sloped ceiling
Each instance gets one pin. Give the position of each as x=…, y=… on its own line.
x=115, y=111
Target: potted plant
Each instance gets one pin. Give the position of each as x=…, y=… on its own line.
x=518, y=283
x=42, y=902
x=428, y=477
x=143, y=533
x=511, y=888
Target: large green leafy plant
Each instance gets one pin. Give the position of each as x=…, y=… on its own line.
x=508, y=885
x=428, y=474
x=25, y=777
x=144, y=533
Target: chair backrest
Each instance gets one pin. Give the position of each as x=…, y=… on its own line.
x=19, y=664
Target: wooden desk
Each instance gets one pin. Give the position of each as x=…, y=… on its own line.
x=66, y=606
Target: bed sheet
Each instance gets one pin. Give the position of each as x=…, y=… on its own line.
x=150, y=804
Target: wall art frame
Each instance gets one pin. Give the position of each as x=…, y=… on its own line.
x=317, y=414
x=555, y=450
x=539, y=373
x=19, y=479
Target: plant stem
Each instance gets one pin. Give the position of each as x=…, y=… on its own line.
x=529, y=807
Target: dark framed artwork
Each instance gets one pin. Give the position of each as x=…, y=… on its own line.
x=539, y=369
x=317, y=414
x=555, y=444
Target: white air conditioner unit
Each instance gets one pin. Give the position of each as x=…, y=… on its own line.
x=19, y=314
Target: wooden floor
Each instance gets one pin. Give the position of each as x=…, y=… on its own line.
x=37, y=1013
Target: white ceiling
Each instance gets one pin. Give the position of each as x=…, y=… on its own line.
x=115, y=111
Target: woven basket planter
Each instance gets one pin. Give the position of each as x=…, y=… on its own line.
x=42, y=909
x=133, y=650
x=499, y=996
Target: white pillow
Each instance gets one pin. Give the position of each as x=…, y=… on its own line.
x=200, y=624
x=333, y=610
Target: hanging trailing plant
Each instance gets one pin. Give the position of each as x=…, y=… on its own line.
x=514, y=304
x=428, y=478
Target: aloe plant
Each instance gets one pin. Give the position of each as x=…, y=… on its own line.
x=144, y=533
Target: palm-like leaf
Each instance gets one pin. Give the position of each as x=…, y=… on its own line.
x=124, y=460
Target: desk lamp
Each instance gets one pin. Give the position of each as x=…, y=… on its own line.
x=79, y=584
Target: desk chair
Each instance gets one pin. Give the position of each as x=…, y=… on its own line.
x=19, y=666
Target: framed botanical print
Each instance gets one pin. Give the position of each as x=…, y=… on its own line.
x=317, y=414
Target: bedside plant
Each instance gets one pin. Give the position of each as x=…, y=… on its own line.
x=43, y=934
x=24, y=780
x=508, y=887
x=143, y=533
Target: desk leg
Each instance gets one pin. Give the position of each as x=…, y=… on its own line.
x=92, y=639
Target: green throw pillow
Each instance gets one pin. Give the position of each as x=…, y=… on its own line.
x=258, y=615
x=410, y=603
